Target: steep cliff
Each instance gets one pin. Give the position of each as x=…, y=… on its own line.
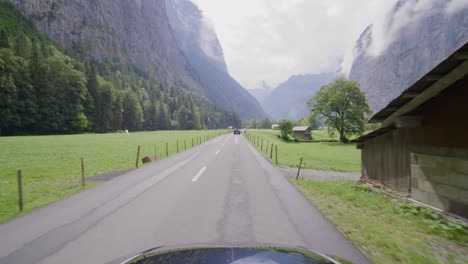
x=200, y=44
x=289, y=99
x=415, y=37
x=131, y=32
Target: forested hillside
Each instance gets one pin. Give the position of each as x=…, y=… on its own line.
x=45, y=91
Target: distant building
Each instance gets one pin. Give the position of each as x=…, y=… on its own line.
x=229, y=127
x=422, y=146
x=302, y=133
x=275, y=126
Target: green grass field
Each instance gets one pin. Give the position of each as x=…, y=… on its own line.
x=329, y=156
x=384, y=232
x=51, y=165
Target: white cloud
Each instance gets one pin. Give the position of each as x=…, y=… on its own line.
x=273, y=39
x=456, y=5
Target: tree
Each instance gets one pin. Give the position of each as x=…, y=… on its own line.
x=7, y=101
x=104, y=114
x=286, y=128
x=117, y=110
x=184, y=119
x=132, y=114
x=4, y=41
x=253, y=124
x=69, y=90
x=344, y=107
x=266, y=123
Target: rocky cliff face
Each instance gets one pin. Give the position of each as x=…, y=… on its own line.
x=416, y=36
x=200, y=44
x=135, y=32
x=289, y=99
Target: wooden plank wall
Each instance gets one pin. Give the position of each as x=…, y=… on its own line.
x=386, y=158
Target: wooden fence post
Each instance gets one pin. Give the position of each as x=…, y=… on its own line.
x=167, y=149
x=261, y=146
x=138, y=156
x=299, y=170
x=177, y=146
x=266, y=150
x=82, y=173
x=185, y=144
x=271, y=151
x=20, y=190
x=276, y=154
x=192, y=142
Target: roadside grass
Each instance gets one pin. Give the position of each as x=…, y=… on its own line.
x=328, y=156
x=51, y=165
x=378, y=227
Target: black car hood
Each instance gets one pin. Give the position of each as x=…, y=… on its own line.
x=229, y=255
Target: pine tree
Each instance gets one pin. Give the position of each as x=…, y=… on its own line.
x=117, y=110
x=133, y=114
x=4, y=39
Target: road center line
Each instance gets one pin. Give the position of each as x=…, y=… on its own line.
x=199, y=174
x=217, y=152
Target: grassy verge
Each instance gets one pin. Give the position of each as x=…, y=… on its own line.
x=51, y=164
x=381, y=229
x=329, y=156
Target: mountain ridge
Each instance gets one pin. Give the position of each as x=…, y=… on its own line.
x=289, y=99
x=429, y=36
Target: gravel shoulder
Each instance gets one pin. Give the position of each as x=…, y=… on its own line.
x=321, y=175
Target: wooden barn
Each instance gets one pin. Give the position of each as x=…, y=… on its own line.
x=302, y=133
x=422, y=145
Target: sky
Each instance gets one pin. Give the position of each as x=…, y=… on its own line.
x=271, y=40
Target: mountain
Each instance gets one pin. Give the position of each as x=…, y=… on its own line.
x=199, y=43
x=262, y=92
x=131, y=32
x=416, y=38
x=52, y=88
x=289, y=99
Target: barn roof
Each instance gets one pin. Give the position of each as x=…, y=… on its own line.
x=442, y=76
x=301, y=128
x=452, y=69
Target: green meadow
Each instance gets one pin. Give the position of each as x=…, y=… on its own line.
x=329, y=156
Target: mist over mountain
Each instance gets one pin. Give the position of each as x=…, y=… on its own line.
x=289, y=99
x=414, y=37
x=199, y=43
x=262, y=92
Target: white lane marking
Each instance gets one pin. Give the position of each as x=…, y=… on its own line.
x=217, y=152
x=199, y=174
x=224, y=144
x=236, y=140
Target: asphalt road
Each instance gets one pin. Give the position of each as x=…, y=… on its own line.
x=222, y=192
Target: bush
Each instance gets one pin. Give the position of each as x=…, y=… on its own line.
x=286, y=128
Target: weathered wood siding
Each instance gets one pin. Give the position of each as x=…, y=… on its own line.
x=386, y=158
x=430, y=161
x=439, y=177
